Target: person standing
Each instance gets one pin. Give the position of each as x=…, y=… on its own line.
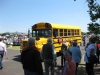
x=90, y=50
x=70, y=66
x=76, y=54
x=3, y=52
x=48, y=54
x=63, y=48
x=30, y=59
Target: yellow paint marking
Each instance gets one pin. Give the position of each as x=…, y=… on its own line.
x=5, y=60
x=82, y=60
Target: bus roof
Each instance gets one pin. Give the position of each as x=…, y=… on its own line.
x=64, y=26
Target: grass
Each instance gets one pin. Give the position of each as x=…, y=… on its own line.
x=14, y=47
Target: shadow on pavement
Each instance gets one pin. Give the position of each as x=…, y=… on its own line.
x=16, y=58
x=81, y=71
x=97, y=71
x=58, y=71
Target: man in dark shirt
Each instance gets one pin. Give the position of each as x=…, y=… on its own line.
x=48, y=53
x=30, y=59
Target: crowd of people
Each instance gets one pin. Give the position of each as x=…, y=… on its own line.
x=71, y=56
x=31, y=58
x=14, y=40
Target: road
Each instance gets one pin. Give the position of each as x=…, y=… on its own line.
x=12, y=65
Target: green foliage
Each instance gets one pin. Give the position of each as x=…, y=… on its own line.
x=94, y=12
x=83, y=33
x=94, y=28
x=6, y=33
x=88, y=32
x=94, y=9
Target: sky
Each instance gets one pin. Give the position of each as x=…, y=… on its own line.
x=20, y=15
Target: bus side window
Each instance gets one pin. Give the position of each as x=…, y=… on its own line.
x=73, y=32
x=55, y=32
x=68, y=32
x=65, y=32
x=61, y=32
x=77, y=32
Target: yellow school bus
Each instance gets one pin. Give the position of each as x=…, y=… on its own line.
x=42, y=31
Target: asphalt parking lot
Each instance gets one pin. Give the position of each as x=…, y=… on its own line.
x=12, y=65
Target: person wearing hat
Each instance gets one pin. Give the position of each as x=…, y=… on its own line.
x=70, y=66
x=3, y=52
x=30, y=59
x=48, y=54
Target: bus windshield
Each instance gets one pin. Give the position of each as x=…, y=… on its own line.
x=42, y=32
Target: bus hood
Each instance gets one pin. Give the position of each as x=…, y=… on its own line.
x=39, y=43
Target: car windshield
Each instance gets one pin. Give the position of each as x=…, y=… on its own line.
x=42, y=32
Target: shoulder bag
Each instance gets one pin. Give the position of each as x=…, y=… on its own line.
x=92, y=58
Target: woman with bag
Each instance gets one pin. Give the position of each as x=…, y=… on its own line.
x=90, y=51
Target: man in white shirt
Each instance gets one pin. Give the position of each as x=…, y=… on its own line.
x=3, y=51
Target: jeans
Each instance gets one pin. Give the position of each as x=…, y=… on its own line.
x=26, y=72
x=1, y=58
x=48, y=63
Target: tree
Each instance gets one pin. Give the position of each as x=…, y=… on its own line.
x=94, y=12
x=83, y=33
x=4, y=34
x=88, y=32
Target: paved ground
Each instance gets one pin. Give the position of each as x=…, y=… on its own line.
x=12, y=65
